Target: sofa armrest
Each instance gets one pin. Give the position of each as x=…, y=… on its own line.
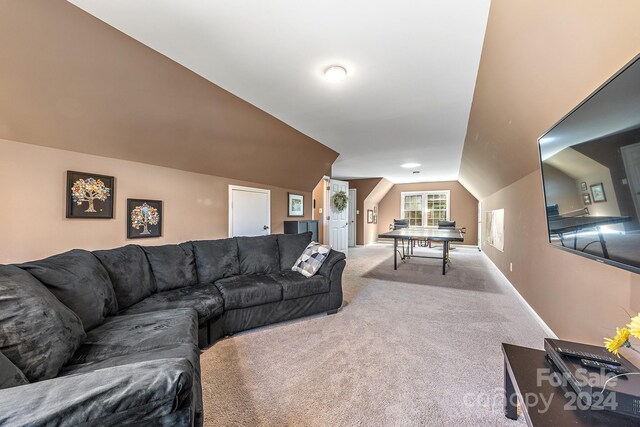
x=332, y=268
x=128, y=394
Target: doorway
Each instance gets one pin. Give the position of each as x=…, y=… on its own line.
x=352, y=216
x=249, y=211
x=338, y=220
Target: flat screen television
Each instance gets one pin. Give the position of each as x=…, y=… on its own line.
x=590, y=163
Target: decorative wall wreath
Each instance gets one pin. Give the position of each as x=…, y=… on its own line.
x=340, y=201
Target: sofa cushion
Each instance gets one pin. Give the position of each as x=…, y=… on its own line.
x=123, y=335
x=248, y=291
x=291, y=247
x=80, y=281
x=259, y=255
x=204, y=298
x=139, y=394
x=173, y=266
x=38, y=334
x=10, y=375
x=216, y=259
x=130, y=273
x=295, y=285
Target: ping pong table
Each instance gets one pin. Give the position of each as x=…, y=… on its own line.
x=446, y=236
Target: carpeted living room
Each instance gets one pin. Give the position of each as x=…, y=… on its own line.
x=357, y=213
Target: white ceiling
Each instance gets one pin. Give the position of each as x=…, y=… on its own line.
x=412, y=69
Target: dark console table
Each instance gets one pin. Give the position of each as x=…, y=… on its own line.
x=543, y=403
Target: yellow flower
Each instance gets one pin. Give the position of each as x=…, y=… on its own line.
x=621, y=339
x=634, y=326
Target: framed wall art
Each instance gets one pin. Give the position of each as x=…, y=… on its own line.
x=597, y=193
x=89, y=195
x=369, y=216
x=295, y=204
x=144, y=218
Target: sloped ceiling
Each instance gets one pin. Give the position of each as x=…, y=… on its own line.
x=412, y=69
x=539, y=60
x=70, y=81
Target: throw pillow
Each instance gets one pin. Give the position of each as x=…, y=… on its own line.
x=38, y=334
x=311, y=259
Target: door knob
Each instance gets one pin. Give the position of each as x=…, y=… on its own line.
x=266, y=227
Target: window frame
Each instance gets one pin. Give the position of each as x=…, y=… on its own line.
x=424, y=195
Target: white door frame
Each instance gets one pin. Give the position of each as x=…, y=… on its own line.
x=326, y=211
x=353, y=228
x=254, y=190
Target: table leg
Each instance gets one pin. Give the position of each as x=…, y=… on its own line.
x=395, y=254
x=445, y=254
x=510, y=399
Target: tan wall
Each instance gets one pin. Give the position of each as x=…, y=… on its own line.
x=32, y=193
x=373, y=202
x=580, y=299
x=464, y=207
x=539, y=60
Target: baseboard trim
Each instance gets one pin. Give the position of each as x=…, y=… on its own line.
x=547, y=330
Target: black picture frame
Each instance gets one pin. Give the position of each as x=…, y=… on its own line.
x=369, y=216
x=295, y=205
x=583, y=186
x=597, y=193
x=375, y=218
x=96, y=204
x=148, y=224
x=586, y=198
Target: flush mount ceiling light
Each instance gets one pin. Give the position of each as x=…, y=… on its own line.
x=335, y=73
x=410, y=165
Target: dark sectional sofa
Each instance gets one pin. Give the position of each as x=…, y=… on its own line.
x=112, y=337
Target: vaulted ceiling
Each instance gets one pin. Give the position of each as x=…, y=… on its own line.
x=411, y=65
x=70, y=81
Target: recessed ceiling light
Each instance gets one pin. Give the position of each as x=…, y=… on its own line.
x=410, y=165
x=335, y=73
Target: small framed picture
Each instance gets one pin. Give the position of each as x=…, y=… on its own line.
x=295, y=204
x=375, y=209
x=597, y=193
x=583, y=186
x=375, y=218
x=586, y=198
x=369, y=216
x=89, y=195
x=144, y=218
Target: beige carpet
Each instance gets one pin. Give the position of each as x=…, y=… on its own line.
x=409, y=348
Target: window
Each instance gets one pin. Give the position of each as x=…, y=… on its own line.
x=425, y=208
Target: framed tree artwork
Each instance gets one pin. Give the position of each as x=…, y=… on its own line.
x=295, y=204
x=144, y=218
x=89, y=195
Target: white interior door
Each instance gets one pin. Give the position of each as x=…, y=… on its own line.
x=249, y=211
x=352, y=217
x=631, y=158
x=338, y=221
